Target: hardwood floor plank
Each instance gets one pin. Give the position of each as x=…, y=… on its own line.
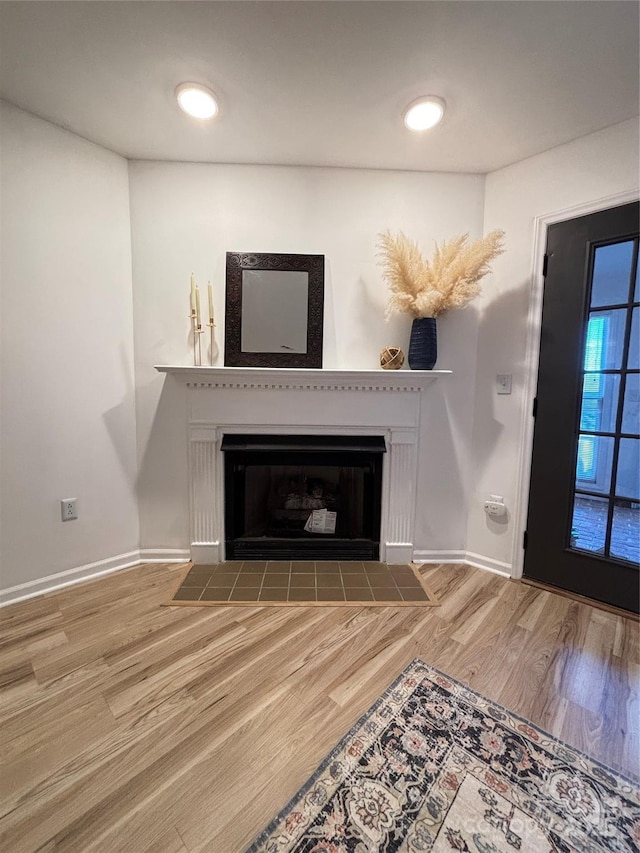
x=588, y=684
x=627, y=642
x=127, y=771
x=536, y=605
x=131, y=726
x=170, y=842
x=550, y=706
x=480, y=599
x=33, y=758
x=23, y=630
x=373, y=635
x=521, y=693
x=17, y=678
x=581, y=727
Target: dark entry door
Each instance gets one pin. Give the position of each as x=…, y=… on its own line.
x=583, y=530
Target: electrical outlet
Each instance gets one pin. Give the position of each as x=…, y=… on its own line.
x=495, y=508
x=69, y=508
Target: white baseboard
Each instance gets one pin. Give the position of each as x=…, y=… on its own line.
x=397, y=552
x=165, y=555
x=22, y=591
x=438, y=556
x=468, y=557
x=68, y=577
x=488, y=564
x=205, y=553
x=30, y=589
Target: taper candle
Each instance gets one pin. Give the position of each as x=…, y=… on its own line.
x=210, y=304
x=193, y=294
x=197, y=306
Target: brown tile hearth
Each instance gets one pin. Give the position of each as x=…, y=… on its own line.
x=304, y=583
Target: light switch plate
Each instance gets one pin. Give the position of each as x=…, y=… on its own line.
x=503, y=383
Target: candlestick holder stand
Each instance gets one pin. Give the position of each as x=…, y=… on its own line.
x=196, y=330
x=212, y=339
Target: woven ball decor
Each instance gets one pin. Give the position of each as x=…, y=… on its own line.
x=391, y=358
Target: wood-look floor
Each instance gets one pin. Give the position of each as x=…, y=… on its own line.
x=129, y=726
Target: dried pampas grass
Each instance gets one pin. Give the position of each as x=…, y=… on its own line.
x=425, y=288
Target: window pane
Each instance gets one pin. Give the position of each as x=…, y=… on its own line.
x=611, y=274
x=631, y=411
x=593, y=468
x=628, y=479
x=625, y=533
x=634, y=343
x=636, y=292
x=589, y=523
x=605, y=338
x=599, y=402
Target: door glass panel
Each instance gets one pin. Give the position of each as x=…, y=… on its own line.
x=627, y=481
x=599, y=402
x=634, y=343
x=612, y=274
x=625, y=532
x=593, y=468
x=631, y=411
x=589, y=523
x=605, y=340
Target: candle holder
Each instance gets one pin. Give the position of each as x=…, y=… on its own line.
x=211, y=326
x=199, y=331
x=196, y=331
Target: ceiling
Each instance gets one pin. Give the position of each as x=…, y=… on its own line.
x=324, y=83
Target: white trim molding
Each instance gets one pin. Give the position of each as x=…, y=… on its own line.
x=432, y=557
x=164, y=555
x=91, y=571
x=466, y=558
x=68, y=577
x=302, y=379
x=488, y=564
x=396, y=552
x=534, y=326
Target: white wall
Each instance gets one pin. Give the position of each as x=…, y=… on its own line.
x=597, y=166
x=68, y=412
x=185, y=217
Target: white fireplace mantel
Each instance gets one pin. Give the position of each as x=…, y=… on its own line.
x=303, y=378
x=299, y=401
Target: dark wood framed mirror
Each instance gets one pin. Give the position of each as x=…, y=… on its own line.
x=274, y=310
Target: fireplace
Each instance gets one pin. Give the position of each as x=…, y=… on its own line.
x=222, y=402
x=302, y=497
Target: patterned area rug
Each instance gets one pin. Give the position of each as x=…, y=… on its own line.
x=434, y=766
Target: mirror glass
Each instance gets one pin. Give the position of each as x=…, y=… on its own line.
x=274, y=311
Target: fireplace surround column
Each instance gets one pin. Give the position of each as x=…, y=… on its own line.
x=400, y=516
x=205, y=506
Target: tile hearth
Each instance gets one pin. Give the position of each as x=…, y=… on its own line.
x=308, y=583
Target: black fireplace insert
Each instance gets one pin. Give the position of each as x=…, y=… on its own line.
x=302, y=497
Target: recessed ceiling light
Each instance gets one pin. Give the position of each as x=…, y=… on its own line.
x=196, y=100
x=424, y=113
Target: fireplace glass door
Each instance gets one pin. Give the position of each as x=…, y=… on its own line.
x=303, y=497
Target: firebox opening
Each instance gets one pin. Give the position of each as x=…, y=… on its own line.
x=303, y=497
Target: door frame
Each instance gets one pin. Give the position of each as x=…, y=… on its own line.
x=532, y=356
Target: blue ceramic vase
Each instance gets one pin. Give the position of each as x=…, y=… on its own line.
x=423, y=344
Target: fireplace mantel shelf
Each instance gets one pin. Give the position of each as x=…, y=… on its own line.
x=302, y=378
